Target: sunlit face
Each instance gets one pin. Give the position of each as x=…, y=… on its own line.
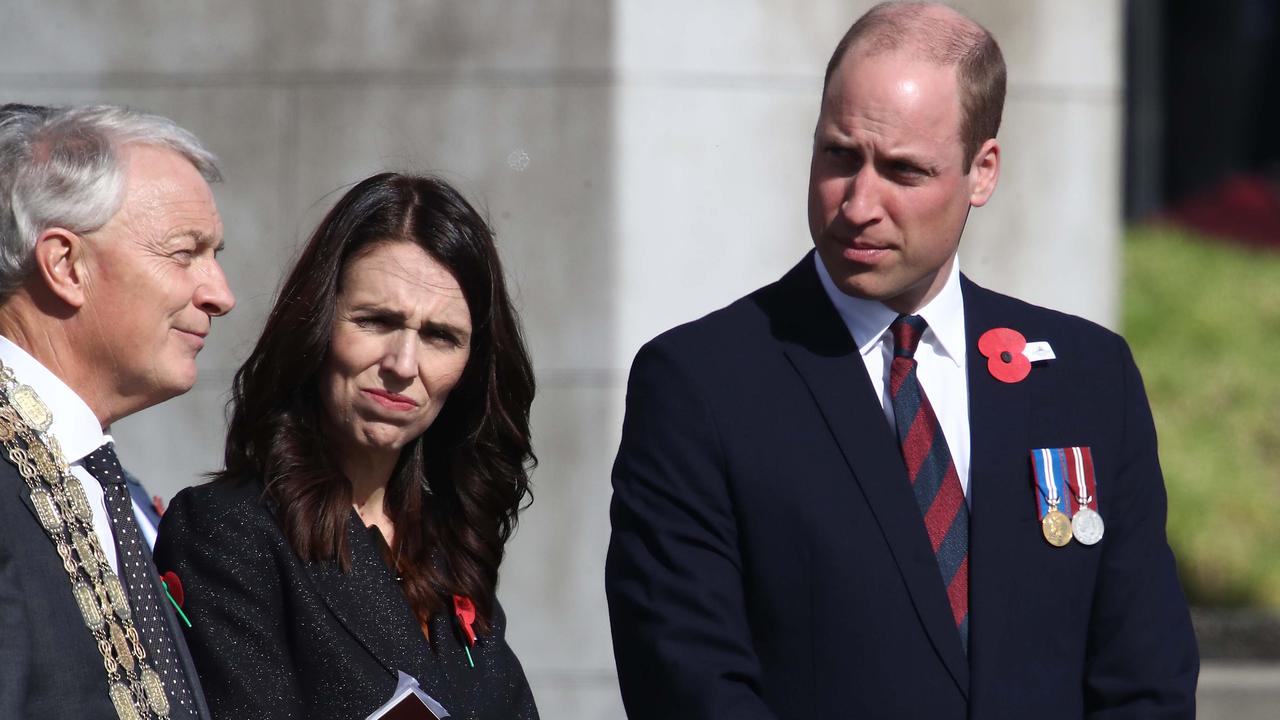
x=889, y=186
x=153, y=284
x=401, y=339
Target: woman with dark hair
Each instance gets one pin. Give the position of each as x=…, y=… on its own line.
x=376, y=458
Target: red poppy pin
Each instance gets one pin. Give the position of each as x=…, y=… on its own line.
x=465, y=611
x=1003, y=348
x=173, y=588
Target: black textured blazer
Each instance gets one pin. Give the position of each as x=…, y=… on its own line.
x=274, y=637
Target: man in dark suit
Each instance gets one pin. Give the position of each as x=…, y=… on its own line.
x=825, y=501
x=108, y=286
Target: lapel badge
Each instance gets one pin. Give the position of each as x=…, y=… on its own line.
x=465, y=612
x=173, y=589
x=1009, y=355
x=1067, y=487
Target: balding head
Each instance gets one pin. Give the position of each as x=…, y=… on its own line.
x=940, y=35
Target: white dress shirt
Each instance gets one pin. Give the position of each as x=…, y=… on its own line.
x=76, y=428
x=941, y=358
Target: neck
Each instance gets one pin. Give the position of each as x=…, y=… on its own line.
x=47, y=339
x=369, y=475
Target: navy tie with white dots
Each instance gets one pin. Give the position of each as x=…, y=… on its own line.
x=139, y=581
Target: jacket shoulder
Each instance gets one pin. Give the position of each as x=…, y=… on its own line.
x=221, y=507
x=225, y=495
x=1032, y=320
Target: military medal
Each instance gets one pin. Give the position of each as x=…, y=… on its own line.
x=1086, y=523
x=1050, y=488
x=1056, y=528
x=1087, y=526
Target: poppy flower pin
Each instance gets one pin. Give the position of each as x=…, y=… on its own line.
x=1009, y=355
x=465, y=612
x=173, y=588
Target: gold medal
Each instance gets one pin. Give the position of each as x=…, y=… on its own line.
x=1056, y=528
x=32, y=409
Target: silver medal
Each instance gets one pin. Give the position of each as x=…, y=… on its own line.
x=1087, y=526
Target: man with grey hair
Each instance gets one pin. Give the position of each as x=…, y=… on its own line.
x=108, y=286
x=874, y=489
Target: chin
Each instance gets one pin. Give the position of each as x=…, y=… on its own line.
x=382, y=442
x=857, y=285
x=183, y=380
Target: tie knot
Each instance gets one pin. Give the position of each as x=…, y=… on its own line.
x=104, y=465
x=907, y=330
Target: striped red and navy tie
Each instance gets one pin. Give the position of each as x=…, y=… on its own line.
x=931, y=470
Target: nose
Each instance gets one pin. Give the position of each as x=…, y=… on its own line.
x=862, y=203
x=214, y=295
x=401, y=356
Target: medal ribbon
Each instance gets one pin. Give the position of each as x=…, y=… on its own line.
x=1080, y=467
x=1051, y=473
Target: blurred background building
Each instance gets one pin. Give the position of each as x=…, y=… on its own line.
x=644, y=163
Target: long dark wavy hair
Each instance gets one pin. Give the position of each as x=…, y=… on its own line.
x=456, y=490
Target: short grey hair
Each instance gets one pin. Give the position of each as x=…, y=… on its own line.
x=61, y=167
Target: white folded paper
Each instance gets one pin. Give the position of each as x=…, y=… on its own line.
x=409, y=701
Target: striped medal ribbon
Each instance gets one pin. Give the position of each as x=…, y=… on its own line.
x=1051, y=492
x=1082, y=502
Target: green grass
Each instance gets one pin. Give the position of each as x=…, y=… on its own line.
x=1203, y=318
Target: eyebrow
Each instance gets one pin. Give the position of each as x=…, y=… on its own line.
x=910, y=157
x=399, y=317
x=203, y=238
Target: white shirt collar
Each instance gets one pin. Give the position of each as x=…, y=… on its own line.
x=74, y=424
x=869, y=320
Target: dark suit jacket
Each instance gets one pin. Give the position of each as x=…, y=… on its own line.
x=50, y=666
x=275, y=638
x=768, y=559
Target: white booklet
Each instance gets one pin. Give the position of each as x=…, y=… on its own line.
x=409, y=702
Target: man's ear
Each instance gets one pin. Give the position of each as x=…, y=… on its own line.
x=60, y=256
x=984, y=173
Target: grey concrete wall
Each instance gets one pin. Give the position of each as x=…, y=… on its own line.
x=642, y=162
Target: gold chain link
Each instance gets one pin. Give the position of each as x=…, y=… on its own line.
x=39, y=460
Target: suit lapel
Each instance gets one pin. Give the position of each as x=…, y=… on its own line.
x=25, y=496
x=370, y=605
x=818, y=345
x=1002, y=507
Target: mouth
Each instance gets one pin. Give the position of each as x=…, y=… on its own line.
x=390, y=400
x=195, y=336
x=863, y=252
